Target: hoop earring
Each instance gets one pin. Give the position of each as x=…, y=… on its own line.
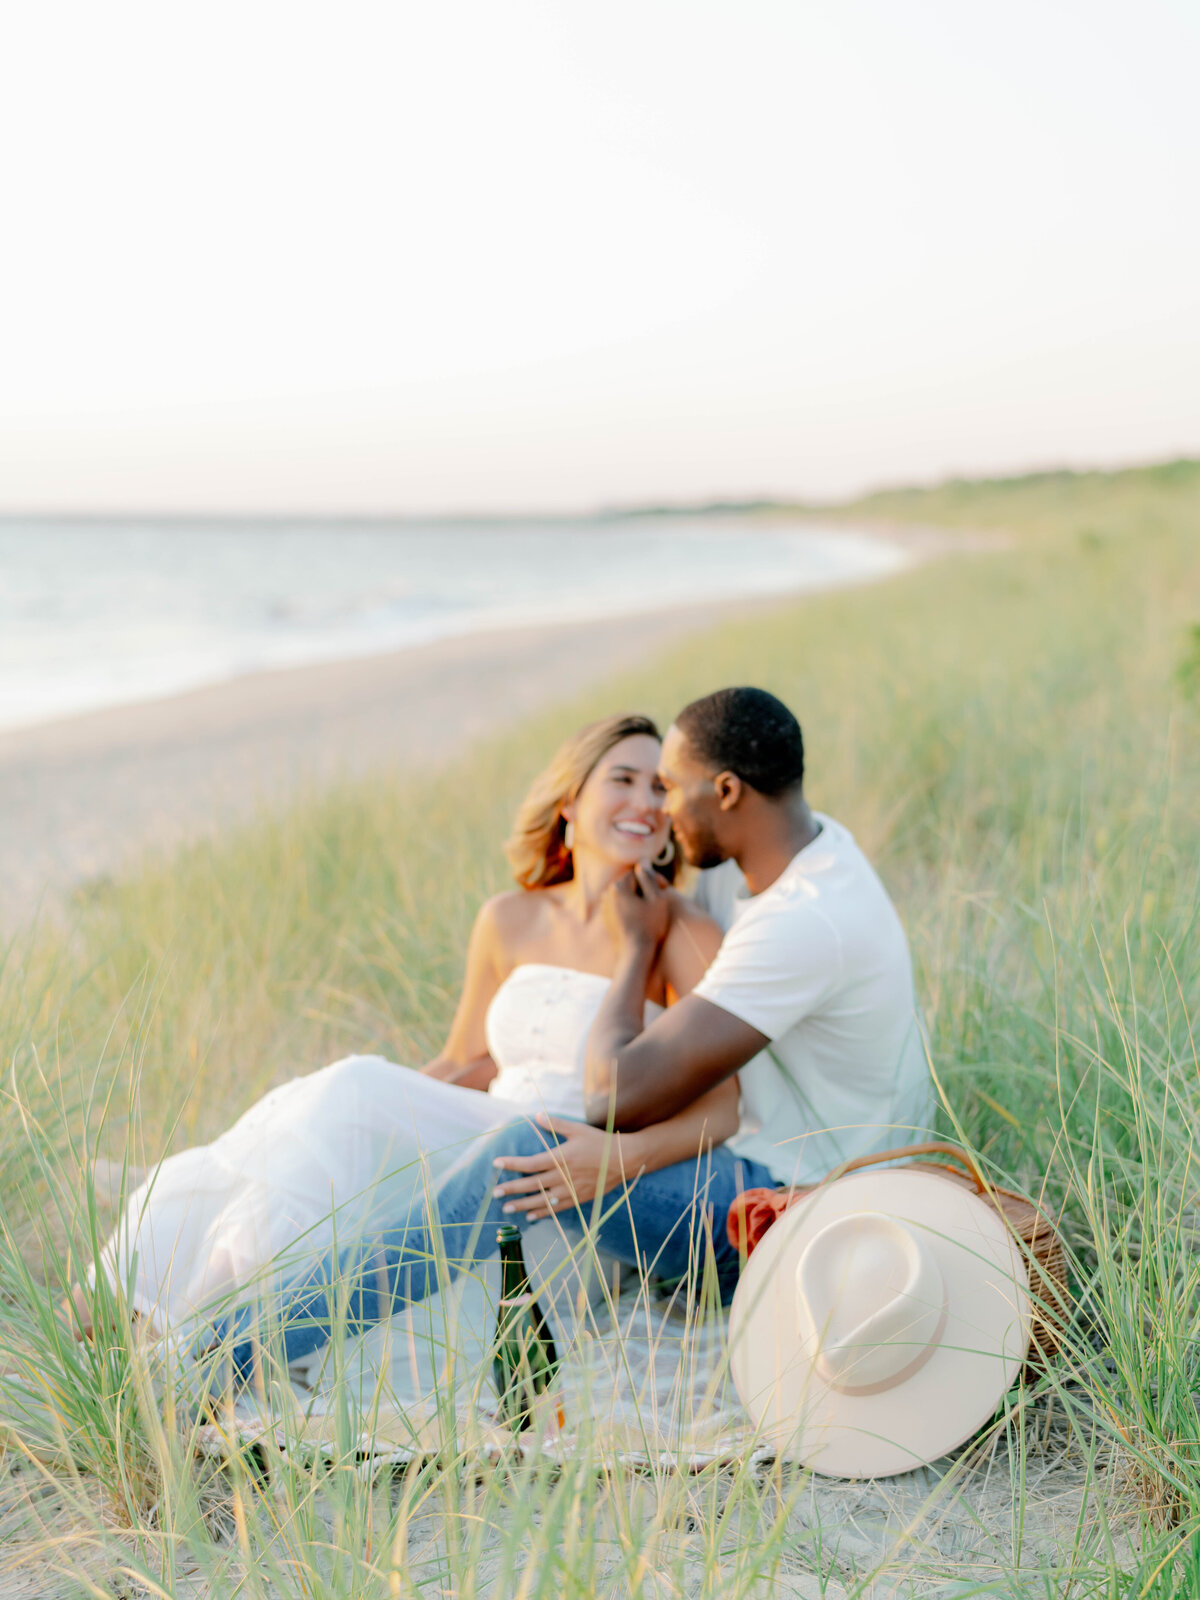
x=666, y=855
x=569, y=836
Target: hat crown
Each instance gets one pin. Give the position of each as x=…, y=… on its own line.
x=871, y=1298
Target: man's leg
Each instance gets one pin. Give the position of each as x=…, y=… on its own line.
x=671, y=1223
x=667, y=1222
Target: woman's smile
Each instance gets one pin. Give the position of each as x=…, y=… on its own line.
x=618, y=812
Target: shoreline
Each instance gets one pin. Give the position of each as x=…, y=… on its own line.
x=129, y=614
x=82, y=797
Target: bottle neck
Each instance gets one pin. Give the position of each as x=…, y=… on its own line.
x=514, y=1280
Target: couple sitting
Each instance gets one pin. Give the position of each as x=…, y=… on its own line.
x=594, y=995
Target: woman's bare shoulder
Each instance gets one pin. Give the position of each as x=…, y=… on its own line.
x=510, y=918
x=508, y=909
x=685, y=910
x=692, y=925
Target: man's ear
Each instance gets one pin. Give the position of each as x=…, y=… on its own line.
x=729, y=789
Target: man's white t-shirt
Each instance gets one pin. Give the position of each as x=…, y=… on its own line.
x=818, y=962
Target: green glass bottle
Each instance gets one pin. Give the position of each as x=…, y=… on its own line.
x=526, y=1361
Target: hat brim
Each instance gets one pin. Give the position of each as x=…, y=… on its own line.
x=975, y=1362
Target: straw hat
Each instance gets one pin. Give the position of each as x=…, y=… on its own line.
x=879, y=1323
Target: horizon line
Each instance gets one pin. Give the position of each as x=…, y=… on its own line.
x=710, y=506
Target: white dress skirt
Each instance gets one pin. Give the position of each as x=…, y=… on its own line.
x=353, y=1145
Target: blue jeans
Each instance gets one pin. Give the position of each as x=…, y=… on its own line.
x=667, y=1223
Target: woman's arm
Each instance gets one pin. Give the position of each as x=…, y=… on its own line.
x=692, y=940
x=464, y=1058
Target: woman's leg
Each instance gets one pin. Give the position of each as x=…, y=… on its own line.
x=348, y=1145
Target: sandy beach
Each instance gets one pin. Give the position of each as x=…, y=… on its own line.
x=82, y=797
x=85, y=796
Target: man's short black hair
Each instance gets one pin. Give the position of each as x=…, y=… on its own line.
x=749, y=732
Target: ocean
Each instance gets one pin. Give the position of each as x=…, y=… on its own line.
x=99, y=613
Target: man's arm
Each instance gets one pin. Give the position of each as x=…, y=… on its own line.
x=586, y=1162
x=640, y=1078
x=637, y=1077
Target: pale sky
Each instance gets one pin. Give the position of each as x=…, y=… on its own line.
x=493, y=254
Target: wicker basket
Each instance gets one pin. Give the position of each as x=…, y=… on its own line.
x=1031, y=1225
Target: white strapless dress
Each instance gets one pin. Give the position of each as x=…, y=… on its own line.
x=354, y=1144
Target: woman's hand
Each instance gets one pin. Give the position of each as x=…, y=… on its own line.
x=476, y=1073
x=588, y=1162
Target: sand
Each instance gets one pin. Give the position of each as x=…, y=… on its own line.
x=82, y=797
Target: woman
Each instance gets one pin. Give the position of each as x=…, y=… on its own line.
x=357, y=1140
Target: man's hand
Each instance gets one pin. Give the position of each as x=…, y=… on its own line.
x=588, y=1162
x=637, y=911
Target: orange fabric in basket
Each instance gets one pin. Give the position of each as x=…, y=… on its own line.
x=753, y=1212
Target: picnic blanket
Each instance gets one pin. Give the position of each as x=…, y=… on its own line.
x=644, y=1372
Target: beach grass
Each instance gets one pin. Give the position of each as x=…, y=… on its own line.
x=1013, y=734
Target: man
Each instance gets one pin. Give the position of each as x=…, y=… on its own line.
x=811, y=992
x=809, y=999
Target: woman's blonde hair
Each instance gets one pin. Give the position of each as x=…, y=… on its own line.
x=536, y=848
